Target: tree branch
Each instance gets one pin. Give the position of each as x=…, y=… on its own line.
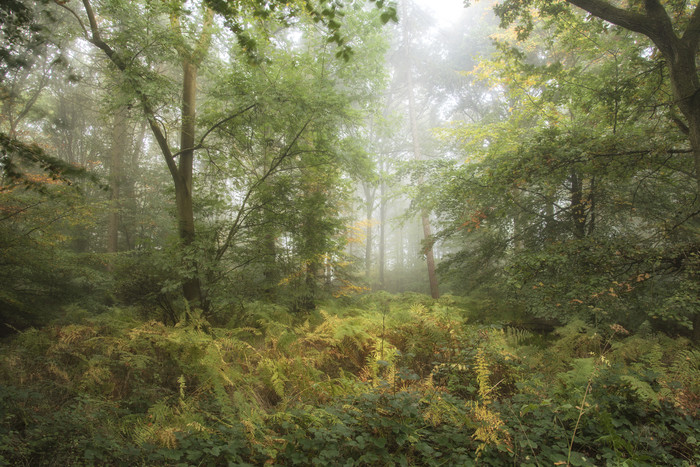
x=96, y=38
x=202, y=46
x=80, y=22
x=161, y=139
x=214, y=127
x=162, y=142
x=627, y=19
x=242, y=212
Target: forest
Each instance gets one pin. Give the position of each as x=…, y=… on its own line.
x=349, y=232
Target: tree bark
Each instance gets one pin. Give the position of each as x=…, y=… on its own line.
x=191, y=286
x=413, y=121
x=128, y=188
x=578, y=208
x=181, y=171
x=271, y=269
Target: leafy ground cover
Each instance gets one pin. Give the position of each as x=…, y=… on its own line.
x=380, y=380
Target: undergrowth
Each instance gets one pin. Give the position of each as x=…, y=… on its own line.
x=381, y=380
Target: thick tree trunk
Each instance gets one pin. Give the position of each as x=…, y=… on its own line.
x=680, y=52
x=191, y=286
x=685, y=85
x=181, y=172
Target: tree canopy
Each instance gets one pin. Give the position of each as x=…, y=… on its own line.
x=324, y=232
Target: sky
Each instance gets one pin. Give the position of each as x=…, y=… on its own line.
x=445, y=11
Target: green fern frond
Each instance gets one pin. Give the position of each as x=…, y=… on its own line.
x=642, y=389
x=516, y=336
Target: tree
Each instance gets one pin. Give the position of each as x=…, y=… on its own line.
x=673, y=28
x=409, y=35
x=676, y=35
x=179, y=162
x=564, y=205
x=191, y=45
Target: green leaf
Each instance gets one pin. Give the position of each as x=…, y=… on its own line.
x=577, y=459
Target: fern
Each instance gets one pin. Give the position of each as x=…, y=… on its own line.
x=516, y=336
x=418, y=309
x=353, y=331
x=440, y=411
x=490, y=428
x=685, y=368
x=580, y=374
x=483, y=375
x=273, y=375
x=653, y=358
x=642, y=389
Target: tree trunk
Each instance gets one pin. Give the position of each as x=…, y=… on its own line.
x=519, y=222
x=271, y=271
x=382, y=228
x=369, y=210
x=128, y=189
x=181, y=172
x=116, y=158
x=191, y=286
x=269, y=254
x=400, y=263
x=430, y=258
x=680, y=52
x=685, y=84
x=578, y=208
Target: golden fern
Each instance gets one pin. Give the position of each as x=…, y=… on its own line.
x=490, y=428
x=483, y=375
x=418, y=309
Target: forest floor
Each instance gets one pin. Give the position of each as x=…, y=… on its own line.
x=377, y=380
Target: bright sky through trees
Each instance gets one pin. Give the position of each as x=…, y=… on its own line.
x=445, y=12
